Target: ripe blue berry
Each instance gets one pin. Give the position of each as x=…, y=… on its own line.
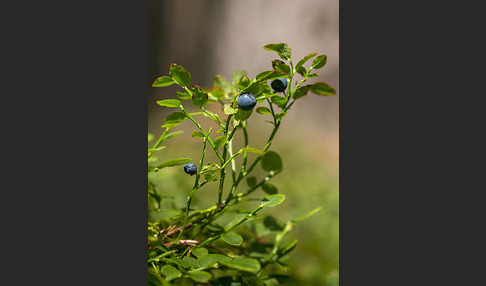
x=246, y=101
x=190, y=168
x=279, y=84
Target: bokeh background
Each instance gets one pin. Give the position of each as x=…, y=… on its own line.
x=215, y=37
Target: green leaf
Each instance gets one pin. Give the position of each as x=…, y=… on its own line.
x=242, y=115
x=210, y=172
x=197, y=134
x=281, y=66
x=319, y=62
x=169, y=103
x=232, y=238
x=272, y=224
x=301, y=92
x=269, y=75
x=156, y=149
x=278, y=100
x=199, y=251
x=270, y=189
x=252, y=150
x=256, y=88
x=311, y=75
x=301, y=70
x=174, y=162
x=217, y=92
x=175, y=117
x=322, y=88
x=180, y=75
x=244, y=264
x=184, y=95
x=173, y=134
x=303, y=61
x=188, y=262
x=280, y=115
x=273, y=200
x=263, y=110
x=209, y=260
x=282, y=49
x=199, y=97
x=163, y=81
x=271, y=161
x=150, y=137
x=199, y=276
x=244, y=83
x=251, y=181
x=170, y=272
x=221, y=82
x=229, y=110
x=237, y=75
x=220, y=141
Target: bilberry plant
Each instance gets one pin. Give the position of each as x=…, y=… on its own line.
x=190, y=246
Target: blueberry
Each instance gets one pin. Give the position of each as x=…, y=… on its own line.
x=190, y=168
x=280, y=84
x=246, y=100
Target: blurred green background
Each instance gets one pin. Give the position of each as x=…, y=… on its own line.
x=211, y=37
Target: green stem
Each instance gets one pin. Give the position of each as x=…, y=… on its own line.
x=194, y=189
x=159, y=141
x=204, y=133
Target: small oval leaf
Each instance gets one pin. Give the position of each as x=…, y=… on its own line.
x=174, y=162
x=244, y=82
x=199, y=97
x=244, y=263
x=199, y=251
x=251, y=181
x=199, y=276
x=210, y=172
x=229, y=110
x=180, y=75
x=169, y=103
x=220, y=141
x=322, y=88
x=270, y=189
x=263, y=110
x=271, y=161
x=175, y=117
x=281, y=66
x=170, y=272
x=163, y=81
x=319, y=62
x=282, y=49
x=232, y=238
x=217, y=92
x=197, y=134
x=273, y=200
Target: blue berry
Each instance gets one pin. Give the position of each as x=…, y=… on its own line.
x=190, y=168
x=246, y=101
x=279, y=85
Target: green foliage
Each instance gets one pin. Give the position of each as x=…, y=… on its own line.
x=230, y=242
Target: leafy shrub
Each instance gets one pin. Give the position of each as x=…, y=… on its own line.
x=226, y=244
